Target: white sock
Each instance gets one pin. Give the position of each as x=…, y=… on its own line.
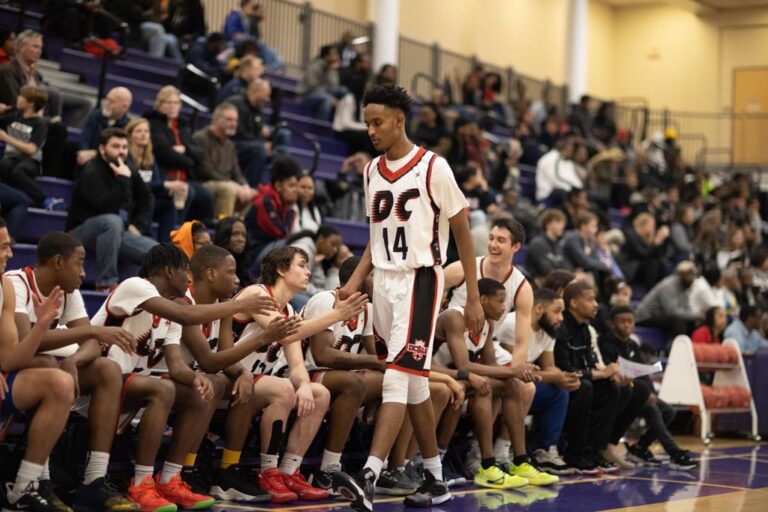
x=291, y=463
x=374, y=464
x=141, y=472
x=331, y=461
x=28, y=472
x=97, y=466
x=434, y=466
x=170, y=470
x=46, y=473
x=441, y=452
x=501, y=449
x=267, y=461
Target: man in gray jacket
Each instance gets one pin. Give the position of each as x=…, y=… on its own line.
x=319, y=87
x=667, y=305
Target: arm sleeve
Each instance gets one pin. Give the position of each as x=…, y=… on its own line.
x=39, y=133
x=444, y=190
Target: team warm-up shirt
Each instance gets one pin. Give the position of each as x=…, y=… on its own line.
x=72, y=308
x=210, y=331
x=409, y=202
x=513, y=282
x=475, y=344
x=152, y=333
x=263, y=361
x=538, y=342
x=347, y=336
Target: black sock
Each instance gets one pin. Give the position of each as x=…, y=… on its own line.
x=521, y=459
x=486, y=463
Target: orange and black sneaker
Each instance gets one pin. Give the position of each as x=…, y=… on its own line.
x=179, y=492
x=271, y=481
x=298, y=484
x=146, y=495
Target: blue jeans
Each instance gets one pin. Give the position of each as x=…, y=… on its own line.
x=549, y=407
x=13, y=206
x=106, y=236
x=252, y=156
x=159, y=42
x=320, y=104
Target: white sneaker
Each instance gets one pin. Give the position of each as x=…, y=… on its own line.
x=551, y=461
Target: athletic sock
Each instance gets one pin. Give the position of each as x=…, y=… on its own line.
x=267, y=461
x=520, y=459
x=486, y=463
x=230, y=458
x=331, y=461
x=190, y=459
x=501, y=449
x=97, y=467
x=291, y=463
x=434, y=466
x=170, y=470
x=441, y=452
x=140, y=472
x=46, y=473
x=374, y=464
x=28, y=472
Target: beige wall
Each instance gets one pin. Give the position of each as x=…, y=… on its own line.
x=741, y=47
x=600, y=49
x=353, y=9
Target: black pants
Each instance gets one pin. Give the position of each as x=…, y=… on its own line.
x=632, y=399
x=591, y=414
x=658, y=416
x=20, y=173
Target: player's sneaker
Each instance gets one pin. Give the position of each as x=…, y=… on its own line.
x=583, y=465
x=27, y=499
x=472, y=460
x=641, y=456
x=146, y=495
x=324, y=480
x=604, y=465
x=394, y=482
x=533, y=475
x=100, y=496
x=231, y=484
x=610, y=455
x=196, y=480
x=452, y=479
x=681, y=459
x=360, y=491
x=271, y=481
x=551, y=461
x=414, y=470
x=495, y=477
x=178, y=491
x=298, y=484
x=431, y=492
x=47, y=489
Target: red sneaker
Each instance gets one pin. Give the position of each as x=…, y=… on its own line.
x=271, y=481
x=146, y=495
x=178, y=492
x=298, y=484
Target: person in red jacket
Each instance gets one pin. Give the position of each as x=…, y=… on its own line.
x=711, y=332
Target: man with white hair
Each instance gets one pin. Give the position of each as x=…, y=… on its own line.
x=218, y=168
x=113, y=113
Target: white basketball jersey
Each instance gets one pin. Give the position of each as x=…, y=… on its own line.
x=210, y=331
x=512, y=282
x=475, y=344
x=267, y=359
x=409, y=202
x=152, y=333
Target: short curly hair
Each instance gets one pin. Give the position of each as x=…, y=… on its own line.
x=390, y=95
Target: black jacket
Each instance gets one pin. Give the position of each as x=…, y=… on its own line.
x=99, y=191
x=573, y=347
x=250, y=120
x=545, y=255
x=611, y=348
x=163, y=141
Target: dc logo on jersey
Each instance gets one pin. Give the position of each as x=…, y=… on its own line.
x=155, y=321
x=418, y=350
x=475, y=339
x=383, y=201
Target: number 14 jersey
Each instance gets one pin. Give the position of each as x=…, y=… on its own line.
x=409, y=202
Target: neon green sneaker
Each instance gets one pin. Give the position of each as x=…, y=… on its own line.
x=496, y=478
x=533, y=475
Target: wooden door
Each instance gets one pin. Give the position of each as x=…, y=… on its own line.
x=750, y=108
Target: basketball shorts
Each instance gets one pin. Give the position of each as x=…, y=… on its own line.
x=405, y=309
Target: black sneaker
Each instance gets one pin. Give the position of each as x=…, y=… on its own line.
x=28, y=500
x=232, y=484
x=414, y=471
x=322, y=480
x=47, y=489
x=682, y=460
x=604, y=465
x=198, y=481
x=452, y=479
x=641, y=456
x=395, y=483
x=431, y=492
x=98, y=496
x=583, y=466
x=359, y=490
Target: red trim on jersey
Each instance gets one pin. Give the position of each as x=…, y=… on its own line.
x=26, y=287
x=393, y=176
x=506, y=277
x=435, y=244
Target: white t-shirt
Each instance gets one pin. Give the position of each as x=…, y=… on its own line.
x=538, y=343
x=555, y=172
x=73, y=307
x=152, y=333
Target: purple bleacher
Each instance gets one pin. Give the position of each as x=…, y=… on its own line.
x=39, y=222
x=520, y=256
x=57, y=187
x=9, y=16
x=653, y=337
x=93, y=300
x=354, y=234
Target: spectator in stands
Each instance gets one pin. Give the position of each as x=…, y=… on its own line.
x=580, y=119
x=545, y=252
x=321, y=246
x=614, y=292
x=24, y=131
x=576, y=201
x=7, y=44
x=706, y=245
x=114, y=112
x=111, y=208
x=190, y=237
x=735, y=251
x=387, y=74
x=218, y=168
x=346, y=49
x=175, y=152
x=308, y=216
x=348, y=125
x=624, y=189
x=356, y=74
x=550, y=131
x=667, y=306
x=69, y=18
x=556, y=172
x=430, y=130
x=481, y=201
x=253, y=138
x=232, y=235
x=711, y=331
x=186, y=20
x=249, y=68
x=580, y=247
x=744, y=330
x=319, y=87
x=558, y=279
x=707, y=291
x=604, y=124
x=642, y=254
x=137, y=13
x=203, y=54
x=467, y=143
x=272, y=215
x=682, y=234
x=243, y=25
x=13, y=207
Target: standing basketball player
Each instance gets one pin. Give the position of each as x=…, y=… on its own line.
x=411, y=200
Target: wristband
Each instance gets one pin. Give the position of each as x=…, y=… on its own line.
x=462, y=375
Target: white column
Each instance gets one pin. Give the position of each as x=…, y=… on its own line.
x=386, y=31
x=576, y=63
